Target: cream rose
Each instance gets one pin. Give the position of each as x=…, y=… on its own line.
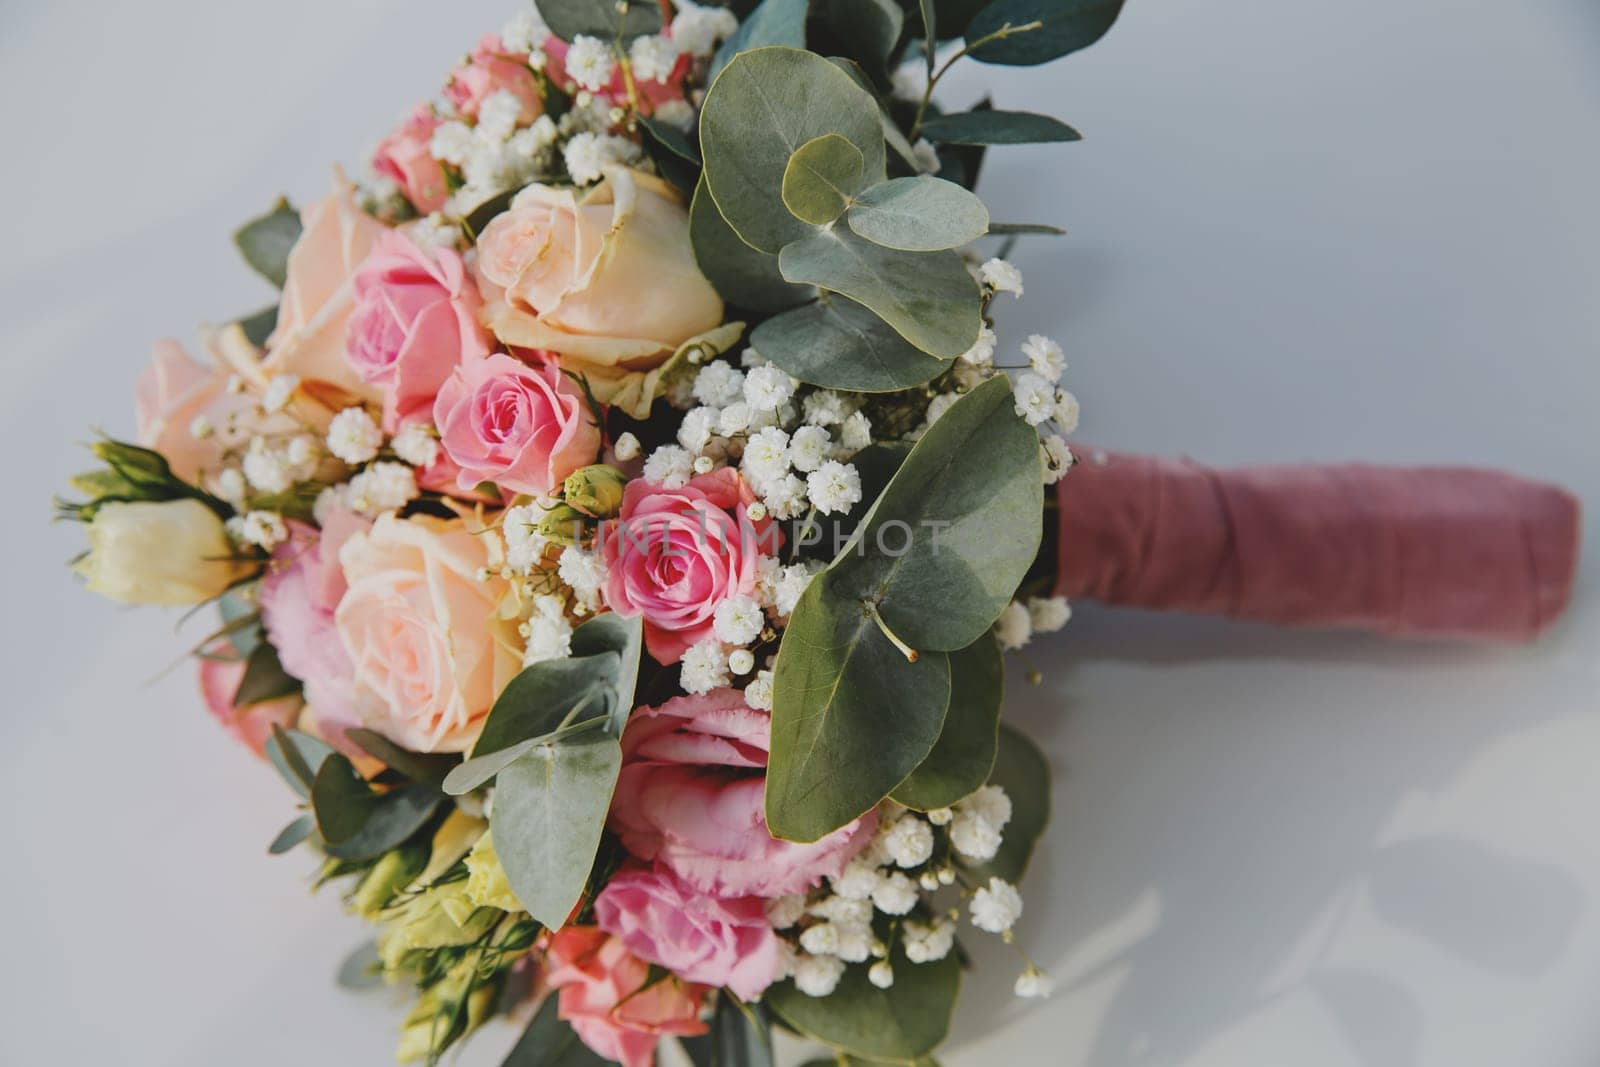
x=609, y=281
x=166, y=552
x=430, y=650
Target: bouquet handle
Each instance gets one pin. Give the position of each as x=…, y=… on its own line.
x=1449, y=552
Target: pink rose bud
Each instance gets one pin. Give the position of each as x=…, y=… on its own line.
x=492, y=69
x=405, y=157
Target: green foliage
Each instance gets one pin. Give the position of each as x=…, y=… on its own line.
x=292, y=835
x=297, y=758
x=989, y=126
x=607, y=19
x=265, y=242
x=131, y=473
x=1020, y=768
x=422, y=767
x=919, y=214
x=744, y=275
x=1066, y=26
x=550, y=1042
x=264, y=678
x=773, y=22
x=259, y=326
x=899, y=1024
x=838, y=344
x=964, y=755
x=361, y=969
x=821, y=178
x=868, y=29
x=360, y=823
x=740, y=1036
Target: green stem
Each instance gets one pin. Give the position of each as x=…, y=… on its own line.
x=1001, y=34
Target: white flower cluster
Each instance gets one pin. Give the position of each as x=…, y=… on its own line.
x=698, y=29
x=1021, y=619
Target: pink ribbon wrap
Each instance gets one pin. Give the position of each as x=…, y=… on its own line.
x=1447, y=552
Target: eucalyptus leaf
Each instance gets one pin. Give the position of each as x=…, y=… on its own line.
x=675, y=157
x=292, y=835
x=1022, y=771
x=297, y=757
x=930, y=30
x=258, y=327
x=868, y=30
x=989, y=126
x=761, y=108
x=892, y=134
x=822, y=176
x=964, y=755
x=358, y=823
x=745, y=276
x=918, y=214
x=997, y=229
x=362, y=968
x=543, y=695
x=551, y=1042
x=899, y=1024
x=611, y=632
x=549, y=810
x=740, y=1036
x=606, y=19
x=1067, y=26
x=264, y=678
x=838, y=344
x=265, y=242
x=428, y=767
x=773, y=22
x=929, y=298
x=242, y=622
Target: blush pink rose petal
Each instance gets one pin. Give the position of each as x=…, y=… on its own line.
x=690, y=798
x=726, y=942
x=492, y=69
x=405, y=157
x=598, y=983
x=253, y=723
x=415, y=321
x=522, y=426
x=173, y=391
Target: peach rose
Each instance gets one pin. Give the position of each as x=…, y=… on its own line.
x=602, y=993
x=175, y=391
x=429, y=650
x=492, y=69
x=404, y=156
x=609, y=281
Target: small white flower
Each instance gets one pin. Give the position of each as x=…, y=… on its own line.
x=1013, y=627
x=809, y=448
x=266, y=468
x=436, y=231
x=704, y=465
x=354, y=437
x=909, y=842
x=416, y=444
x=582, y=570
x=1045, y=357
x=738, y=620
x=587, y=155
x=735, y=419
x=525, y=545
x=697, y=29
x=834, y=487
x=1035, y=397
x=549, y=634
x=790, y=586
x=679, y=113
x=1048, y=613
x=1066, y=411
x=279, y=391
x=825, y=408
x=927, y=944
x=704, y=667
x=821, y=939
x=941, y=816
x=590, y=62
x=939, y=405
x=230, y=485
x=974, y=836
x=200, y=428
x=857, y=881
x=881, y=974
x=785, y=498
x=818, y=976
x=264, y=528
x=1001, y=276
x=1034, y=983
x=669, y=467
x=498, y=114
x=627, y=447
x=758, y=694
x=653, y=58
x=981, y=354
x=895, y=894
x=524, y=32
x=1056, y=458
x=451, y=142
x=766, y=456
x=784, y=912
x=996, y=907
x=927, y=156
x=855, y=940
x=990, y=802
x=741, y=661
x=768, y=388
x=383, y=487
x=856, y=433
x=843, y=911
x=332, y=499
x=695, y=431
x=718, y=384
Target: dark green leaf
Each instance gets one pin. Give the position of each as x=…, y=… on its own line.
x=672, y=138
x=292, y=835
x=675, y=157
x=606, y=19
x=265, y=242
x=1015, y=228
x=869, y=31
x=930, y=30
x=918, y=214
x=1020, y=768
x=1068, y=25
x=358, y=823
x=964, y=755
x=297, y=757
x=550, y=1042
x=997, y=127
x=838, y=344
x=891, y=129
x=773, y=22
x=901, y=1023
x=745, y=276
x=264, y=678
x=740, y=1036
x=362, y=968
x=426, y=767
x=259, y=326
x=822, y=175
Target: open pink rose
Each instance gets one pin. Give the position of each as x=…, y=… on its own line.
x=523, y=426
x=404, y=156
x=172, y=393
x=673, y=555
x=690, y=798
x=716, y=941
x=599, y=994
x=425, y=635
x=489, y=70
x=415, y=321
x=299, y=596
x=252, y=723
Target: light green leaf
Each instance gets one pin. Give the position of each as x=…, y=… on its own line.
x=744, y=275
x=838, y=344
x=550, y=1042
x=610, y=632
x=1067, y=25
x=764, y=106
x=362, y=968
x=929, y=298
x=358, y=823
x=906, y=1021
x=543, y=696
x=822, y=176
x=773, y=22
x=1021, y=769
x=997, y=127
x=892, y=135
x=265, y=242
x=605, y=19
x=918, y=214
x=851, y=717
x=297, y=757
x=549, y=810
x=964, y=755
x=292, y=835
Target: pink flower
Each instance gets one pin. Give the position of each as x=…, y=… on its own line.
x=492, y=69
x=299, y=595
x=172, y=393
x=673, y=555
x=600, y=995
x=523, y=426
x=404, y=156
x=415, y=321
x=716, y=941
x=652, y=93
x=690, y=798
x=252, y=724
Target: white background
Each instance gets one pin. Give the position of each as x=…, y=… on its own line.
x=1354, y=229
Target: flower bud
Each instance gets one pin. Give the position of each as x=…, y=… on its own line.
x=595, y=490
x=562, y=525
x=171, y=552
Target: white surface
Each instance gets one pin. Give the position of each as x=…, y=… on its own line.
x=1316, y=230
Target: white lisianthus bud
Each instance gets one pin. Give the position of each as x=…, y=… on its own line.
x=171, y=552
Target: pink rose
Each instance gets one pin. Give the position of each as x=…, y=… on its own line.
x=601, y=996
x=299, y=596
x=716, y=941
x=405, y=157
x=673, y=555
x=690, y=798
x=415, y=321
x=425, y=635
x=252, y=723
x=523, y=426
x=652, y=93
x=492, y=69
x=172, y=393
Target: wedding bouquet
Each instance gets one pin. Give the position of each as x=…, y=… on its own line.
x=617, y=524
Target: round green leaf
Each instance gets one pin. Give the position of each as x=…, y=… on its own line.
x=918, y=214
x=964, y=755
x=1022, y=771
x=899, y=1024
x=762, y=107
x=745, y=276
x=822, y=176
x=929, y=298
x=1066, y=26
x=838, y=344
x=265, y=242
x=997, y=127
